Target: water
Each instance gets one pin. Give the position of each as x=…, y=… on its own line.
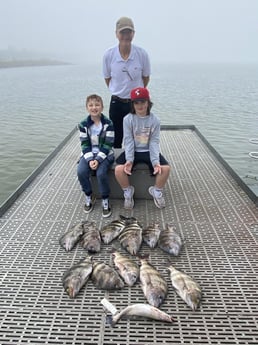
x=39, y=106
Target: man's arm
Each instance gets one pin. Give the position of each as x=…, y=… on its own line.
x=107, y=80
x=145, y=81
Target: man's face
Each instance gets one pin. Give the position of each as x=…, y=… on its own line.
x=125, y=36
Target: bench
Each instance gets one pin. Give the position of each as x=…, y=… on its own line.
x=140, y=179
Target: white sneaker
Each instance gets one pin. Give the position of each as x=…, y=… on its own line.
x=157, y=197
x=128, y=195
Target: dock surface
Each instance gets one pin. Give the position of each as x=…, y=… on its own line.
x=214, y=215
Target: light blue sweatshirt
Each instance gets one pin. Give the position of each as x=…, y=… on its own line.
x=141, y=134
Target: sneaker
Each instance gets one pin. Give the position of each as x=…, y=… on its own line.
x=157, y=197
x=128, y=195
x=106, y=209
x=89, y=204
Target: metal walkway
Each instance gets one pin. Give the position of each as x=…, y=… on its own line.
x=216, y=217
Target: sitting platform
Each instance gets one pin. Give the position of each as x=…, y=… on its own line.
x=141, y=179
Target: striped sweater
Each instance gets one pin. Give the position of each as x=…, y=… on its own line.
x=106, y=139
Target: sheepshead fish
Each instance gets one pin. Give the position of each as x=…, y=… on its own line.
x=113, y=229
x=154, y=286
x=170, y=241
x=106, y=277
x=150, y=234
x=127, y=268
x=77, y=276
x=131, y=237
x=186, y=287
x=142, y=310
x=91, y=239
x=69, y=239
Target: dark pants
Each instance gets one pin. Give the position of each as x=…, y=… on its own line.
x=117, y=112
x=142, y=157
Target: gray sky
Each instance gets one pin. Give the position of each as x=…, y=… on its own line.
x=170, y=30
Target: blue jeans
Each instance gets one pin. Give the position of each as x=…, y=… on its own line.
x=84, y=173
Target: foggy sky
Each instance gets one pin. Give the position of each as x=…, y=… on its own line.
x=170, y=30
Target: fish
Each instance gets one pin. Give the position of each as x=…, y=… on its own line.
x=131, y=237
x=154, y=286
x=91, y=240
x=127, y=268
x=105, y=277
x=170, y=241
x=112, y=230
x=139, y=309
x=150, y=234
x=77, y=276
x=186, y=287
x=70, y=238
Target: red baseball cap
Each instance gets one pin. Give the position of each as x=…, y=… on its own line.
x=140, y=94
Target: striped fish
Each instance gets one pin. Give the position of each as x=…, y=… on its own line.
x=170, y=241
x=131, y=237
x=113, y=229
x=91, y=240
x=151, y=233
x=77, y=276
x=70, y=238
x=185, y=286
x=154, y=286
x=127, y=268
x=106, y=277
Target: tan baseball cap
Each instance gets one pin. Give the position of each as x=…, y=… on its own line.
x=124, y=23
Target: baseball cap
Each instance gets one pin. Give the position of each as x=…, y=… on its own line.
x=140, y=94
x=124, y=23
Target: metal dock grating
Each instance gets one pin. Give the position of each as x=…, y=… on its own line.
x=215, y=216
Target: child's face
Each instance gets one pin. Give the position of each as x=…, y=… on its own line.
x=94, y=107
x=141, y=107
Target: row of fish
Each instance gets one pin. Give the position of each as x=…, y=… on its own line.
x=103, y=276
x=129, y=233
x=154, y=286
x=85, y=232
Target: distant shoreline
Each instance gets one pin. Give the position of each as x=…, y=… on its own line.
x=31, y=63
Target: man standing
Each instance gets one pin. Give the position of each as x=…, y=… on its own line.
x=125, y=67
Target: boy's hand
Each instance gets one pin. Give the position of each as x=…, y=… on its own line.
x=94, y=164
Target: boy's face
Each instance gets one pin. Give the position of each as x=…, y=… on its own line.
x=94, y=107
x=141, y=107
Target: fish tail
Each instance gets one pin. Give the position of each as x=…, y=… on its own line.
x=110, y=321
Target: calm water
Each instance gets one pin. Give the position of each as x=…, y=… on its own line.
x=39, y=106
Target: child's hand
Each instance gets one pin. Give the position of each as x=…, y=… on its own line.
x=94, y=164
x=128, y=168
x=157, y=169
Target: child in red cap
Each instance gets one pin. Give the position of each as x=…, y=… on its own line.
x=141, y=143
